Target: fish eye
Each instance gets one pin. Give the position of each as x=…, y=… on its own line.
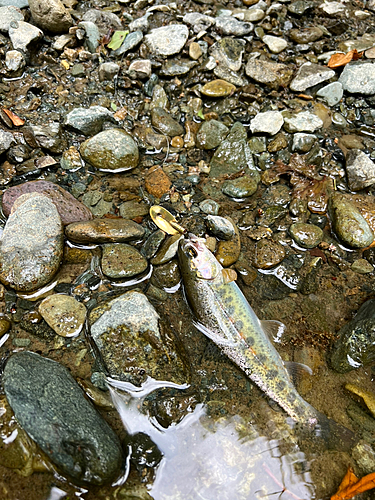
x=192, y=252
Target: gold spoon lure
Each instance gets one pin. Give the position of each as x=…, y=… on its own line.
x=165, y=220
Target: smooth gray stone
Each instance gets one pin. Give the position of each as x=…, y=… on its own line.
x=7, y=15
x=360, y=170
x=167, y=40
x=6, y=140
x=130, y=42
x=331, y=93
x=229, y=25
x=52, y=409
x=269, y=122
x=310, y=74
x=200, y=22
x=23, y=34
x=304, y=121
x=92, y=35
x=88, y=121
x=21, y=4
x=272, y=74
x=359, y=78
x=211, y=134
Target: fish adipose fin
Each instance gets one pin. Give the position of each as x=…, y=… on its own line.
x=273, y=329
x=220, y=341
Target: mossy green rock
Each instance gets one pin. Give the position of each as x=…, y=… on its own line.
x=348, y=223
x=111, y=150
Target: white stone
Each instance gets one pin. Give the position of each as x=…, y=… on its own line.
x=167, y=40
x=269, y=122
x=274, y=43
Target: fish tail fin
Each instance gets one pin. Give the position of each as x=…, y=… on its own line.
x=333, y=435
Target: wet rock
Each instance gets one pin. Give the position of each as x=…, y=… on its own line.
x=164, y=123
x=364, y=456
x=64, y=314
x=302, y=143
x=233, y=154
x=71, y=160
x=14, y=61
x=104, y=231
x=228, y=25
x=355, y=346
x=132, y=209
x=73, y=435
x=271, y=215
x=159, y=98
x=348, y=223
x=50, y=137
x=111, y=150
x=131, y=41
x=108, y=70
x=69, y=209
x=228, y=251
x=310, y=74
x=242, y=187
x=220, y=227
x=362, y=266
x=103, y=20
x=6, y=141
x=268, y=254
x=92, y=35
x=304, y=121
x=269, y=122
x=306, y=35
x=167, y=40
x=226, y=74
x=51, y=15
x=299, y=7
x=121, y=261
x=272, y=74
x=88, y=121
x=5, y=325
x=218, y=88
x=166, y=276
x=152, y=244
x=274, y=43
x=306, y=235
x=358, y=78
x=360, y=170
x=195, y=51
x=32, y=243
x=23, y=34
x=142, y=67
x=228, y=52
x=277, y=194
x=129, y=324
x=211, y=134
x=157, y=182
x=331, y=93
x=167, y=251
x=174, y=68
x=210, y=207
x=9, y=14
x=96, y=204
x=199, y=22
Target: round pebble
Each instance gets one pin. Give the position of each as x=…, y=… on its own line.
x=120, y=260
x=362, y=266
x=268, y=254
x=64, y=314
x=218, y=88
x=306, y=235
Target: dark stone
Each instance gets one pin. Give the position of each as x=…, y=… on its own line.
x=53, y=410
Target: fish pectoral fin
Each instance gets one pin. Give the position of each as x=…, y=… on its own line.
x=273, y=329
x=228, y=275
x=220, y=341
x=297, y=371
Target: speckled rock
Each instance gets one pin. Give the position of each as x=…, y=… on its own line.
x=64, y=314
x=306, y=235
x=228, y=251
x=362, y=266
x=272, y=74
x=157, y=181
x=167, y=40
x=129, y=323
x=51, y=15
x=268, y=254
x=331, y=93
x=104, y=231
x=306, y=35
x=6, y=140
x=130, y=42
x=274, y=43
x=218, y=88
x=211, y=134
x=23, y=34
x=228, y=52
x=69, y=209
x=348, y=223
x=88, y=121
x=163, y=122
x=112, y=150
x=14, y=62
x=122, y=261
x=269, y=122
x=233, y=154
x=52, y=409
x=220, y=227
x=359, y=78
x=32, y=243
x=304, y=121
x=103, y=20
x=9, y=14
x=360, y=170
x=355, y=346
x=310, y=74
x=228, y=25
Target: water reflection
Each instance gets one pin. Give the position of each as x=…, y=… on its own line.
x=207, y=459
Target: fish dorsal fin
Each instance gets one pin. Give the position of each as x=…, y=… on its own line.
x=228, y=275
x=273, y=329
x=297, y=371
x=220, y=341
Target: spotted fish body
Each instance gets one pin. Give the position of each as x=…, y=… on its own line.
x=224, y=315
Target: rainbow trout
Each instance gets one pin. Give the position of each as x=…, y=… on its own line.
x=224, y=315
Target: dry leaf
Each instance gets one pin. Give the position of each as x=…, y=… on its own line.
x=351, y=486
x=338, y=60
x=16, y=120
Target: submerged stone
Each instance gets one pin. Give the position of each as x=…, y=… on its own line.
x=211, y=134
x=53, y=410
x=127, y=333
x=163, y=122
x=32, y=243
x=104, y=231
x=242, y=187
x=120, y=260
x=306, y=235
x=64, y=314
x=112, y=150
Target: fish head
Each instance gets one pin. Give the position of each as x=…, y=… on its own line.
x=196, y=260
